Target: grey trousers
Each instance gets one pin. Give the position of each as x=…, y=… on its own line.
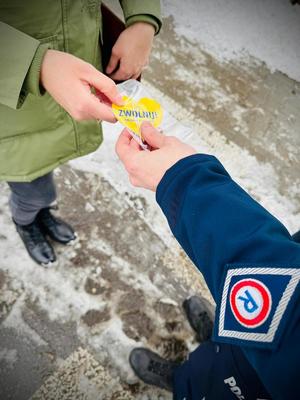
x=28, y=198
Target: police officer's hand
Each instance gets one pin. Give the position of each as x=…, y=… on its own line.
x=69, y=81
x=146, y=168
x=130, y=54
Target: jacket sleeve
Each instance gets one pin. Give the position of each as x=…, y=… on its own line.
x=21, y=57
x=222, y=228
x=142, y=11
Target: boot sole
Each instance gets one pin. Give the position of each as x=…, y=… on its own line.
x=49, y=265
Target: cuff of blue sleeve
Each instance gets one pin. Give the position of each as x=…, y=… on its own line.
x=149, y=19
x=32, y=80
x=172, y=173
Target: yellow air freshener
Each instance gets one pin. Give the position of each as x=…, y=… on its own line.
x=139, y=106
x=133, y=113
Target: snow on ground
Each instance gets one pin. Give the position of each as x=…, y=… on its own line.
x=114, y=290
x=67, y=331
x=258, y=178
x=267, y=30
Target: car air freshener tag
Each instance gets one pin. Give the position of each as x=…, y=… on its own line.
x=138, y=107
x=134, y=112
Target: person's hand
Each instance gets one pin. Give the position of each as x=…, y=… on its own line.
x=131, y=52
x=146, y=168
x=69, y=81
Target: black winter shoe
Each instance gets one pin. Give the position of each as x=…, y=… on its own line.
x=152, y=369
x=55, y=228
x=36, y=244
x=200, y=315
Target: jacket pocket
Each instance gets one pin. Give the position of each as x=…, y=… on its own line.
x=53, y=42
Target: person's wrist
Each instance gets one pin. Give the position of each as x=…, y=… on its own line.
x=145, y=27
x=148, y=26
x=47, y=54
x=32, y=83
x=146, y=18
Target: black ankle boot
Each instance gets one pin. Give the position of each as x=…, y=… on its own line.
x=200, y=315
x=55, y=228
x=152, y=369
x=36, y=244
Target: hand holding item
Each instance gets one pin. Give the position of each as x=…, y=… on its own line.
x=146, y=168
x=130, y=54
x=69, y=81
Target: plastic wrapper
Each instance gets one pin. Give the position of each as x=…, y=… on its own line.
x=139, y=106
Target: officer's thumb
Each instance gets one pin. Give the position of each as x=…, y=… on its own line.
x=152, y=136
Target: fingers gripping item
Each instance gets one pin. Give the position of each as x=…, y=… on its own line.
x=137, y=108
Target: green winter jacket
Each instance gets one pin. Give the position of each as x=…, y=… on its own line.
x=36, y=134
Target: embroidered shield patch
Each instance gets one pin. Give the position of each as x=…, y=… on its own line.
x=253, y=304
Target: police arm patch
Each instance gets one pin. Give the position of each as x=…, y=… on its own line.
x=255, y=304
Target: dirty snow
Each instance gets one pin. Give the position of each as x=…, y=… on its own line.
x=267, y=30
x=124, y=280
x=258, y=178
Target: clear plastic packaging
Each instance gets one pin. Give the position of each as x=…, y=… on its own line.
x=139, y=106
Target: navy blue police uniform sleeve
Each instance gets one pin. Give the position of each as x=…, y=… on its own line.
x=249, y=261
